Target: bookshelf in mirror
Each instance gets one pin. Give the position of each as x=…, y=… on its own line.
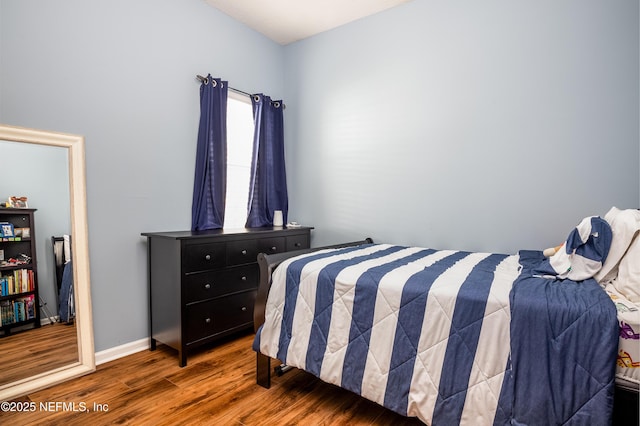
x=19, y=301
x=203, y=285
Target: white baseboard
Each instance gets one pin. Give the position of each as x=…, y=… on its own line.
x=122, y=351
x=47, y=320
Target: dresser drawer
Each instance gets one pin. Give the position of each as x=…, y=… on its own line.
x=240, y=252
x=207, y=285
x=209, y=318
x=201, y=257
x=271, y=245
x=297, y=242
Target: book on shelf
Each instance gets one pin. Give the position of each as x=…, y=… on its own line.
x=31, y=307
x=7, y=312
x=17, y=310
x=20, y=281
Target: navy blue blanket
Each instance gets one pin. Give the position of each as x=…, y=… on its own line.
x=564, y=341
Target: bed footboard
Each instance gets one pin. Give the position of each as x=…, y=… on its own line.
x=267, y=264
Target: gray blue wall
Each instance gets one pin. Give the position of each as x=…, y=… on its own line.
x=491, y=125
x=122, y=73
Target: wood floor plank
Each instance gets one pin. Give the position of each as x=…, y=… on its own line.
x=37, y=350
x=216, y=387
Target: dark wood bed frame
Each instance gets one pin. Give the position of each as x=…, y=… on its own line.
x=625, y=410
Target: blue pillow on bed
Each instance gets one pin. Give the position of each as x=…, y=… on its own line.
x=582, y=254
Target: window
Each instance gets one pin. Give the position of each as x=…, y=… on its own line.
x=239, y=152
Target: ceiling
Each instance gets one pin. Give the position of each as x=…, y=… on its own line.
x=286, y=21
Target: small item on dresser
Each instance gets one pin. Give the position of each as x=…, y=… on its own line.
x=293, y=225
x=277, y=218
x=17, y=202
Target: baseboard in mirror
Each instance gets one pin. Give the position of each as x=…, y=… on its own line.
x=49, y=320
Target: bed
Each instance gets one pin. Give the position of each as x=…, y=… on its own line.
x=449, y=337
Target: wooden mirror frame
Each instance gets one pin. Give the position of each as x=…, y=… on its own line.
x=84, y=320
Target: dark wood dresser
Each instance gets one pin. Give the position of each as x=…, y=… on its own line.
x=202, y=285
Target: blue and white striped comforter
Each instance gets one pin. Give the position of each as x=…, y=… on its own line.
x=423, y=332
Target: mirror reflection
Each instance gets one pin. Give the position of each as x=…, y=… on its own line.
x=41, y=174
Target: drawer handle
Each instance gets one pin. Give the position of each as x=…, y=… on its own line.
x=244, y=309
x=243, y=278
x=208, y=320
x=244, y=252
x=274, y=248
x=208, y=257
x=207, y=286
x=297, y=244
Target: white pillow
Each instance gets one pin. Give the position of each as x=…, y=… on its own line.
x=625, y=224
x=628, y=282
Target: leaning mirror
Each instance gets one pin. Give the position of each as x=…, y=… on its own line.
x=48, y=357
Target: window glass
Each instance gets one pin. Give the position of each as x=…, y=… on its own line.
x=239, y=151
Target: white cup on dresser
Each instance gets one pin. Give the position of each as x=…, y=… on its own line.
x=277, y=218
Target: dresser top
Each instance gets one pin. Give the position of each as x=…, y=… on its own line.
x=179, y=235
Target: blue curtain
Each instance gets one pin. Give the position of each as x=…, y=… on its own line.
x=268, y=185
x=210, y=183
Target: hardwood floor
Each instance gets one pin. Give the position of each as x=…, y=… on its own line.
x=37, y=350
x=217, y=387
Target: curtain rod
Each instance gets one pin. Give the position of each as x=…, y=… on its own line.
x=204, y=79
